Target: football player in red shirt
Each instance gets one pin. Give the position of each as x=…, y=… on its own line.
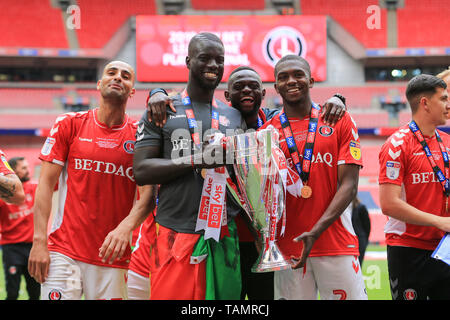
x=414, y=194
x=319, y=238
x=88, y=251
x=16, y=225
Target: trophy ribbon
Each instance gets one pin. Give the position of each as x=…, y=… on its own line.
x=212, y=211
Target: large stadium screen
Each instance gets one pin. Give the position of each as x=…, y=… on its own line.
x=257, y=41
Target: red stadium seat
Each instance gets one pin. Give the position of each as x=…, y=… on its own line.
x=373, y=119
x=227, y=5
x=24, y=98
x=27, y=121
x=423, y=23
x=31, y=23
x=370, y=161
x=100, y=19
x=353, y=16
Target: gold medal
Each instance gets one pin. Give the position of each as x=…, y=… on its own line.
x=306, y=192
x=446, y=204
x=203, y=173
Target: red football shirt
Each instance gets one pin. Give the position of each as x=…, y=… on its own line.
x=333, y=147
x=403, y=162
x=4, y=166
x=16, y=221
x=140, y=257
x=96, y=187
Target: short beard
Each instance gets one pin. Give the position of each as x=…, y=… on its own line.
x=202, y=83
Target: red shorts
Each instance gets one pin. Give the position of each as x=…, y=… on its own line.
x=173, y=275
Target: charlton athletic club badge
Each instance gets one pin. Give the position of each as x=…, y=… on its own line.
x=54, y=295
x=282, y=41
x=128, y=146
x=326, y=131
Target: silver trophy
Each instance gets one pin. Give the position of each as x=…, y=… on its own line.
x=258, y=166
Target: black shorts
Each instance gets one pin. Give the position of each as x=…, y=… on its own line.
x=415, y=275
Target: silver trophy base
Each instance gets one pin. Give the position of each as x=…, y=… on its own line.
x=270, y=260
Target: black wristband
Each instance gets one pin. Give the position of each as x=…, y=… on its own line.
x=156, y=91
x=341, y=97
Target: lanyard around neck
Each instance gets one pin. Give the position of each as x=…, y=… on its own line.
x=192, y=122
x=303, y=167
x=443, y=178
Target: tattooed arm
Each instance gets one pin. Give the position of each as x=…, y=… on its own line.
x=11, y=189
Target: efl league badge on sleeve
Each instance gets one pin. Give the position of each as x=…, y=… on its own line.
x=48, y=145
x=392, y=169
x=355, y=150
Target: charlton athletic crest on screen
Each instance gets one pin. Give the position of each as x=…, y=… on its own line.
x=282, y=41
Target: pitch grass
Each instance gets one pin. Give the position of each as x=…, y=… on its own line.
x=374, y=271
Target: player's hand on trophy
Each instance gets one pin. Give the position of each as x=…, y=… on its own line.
x=157, y=108
x=308, y=239
x=333, y=110
x=212, y=155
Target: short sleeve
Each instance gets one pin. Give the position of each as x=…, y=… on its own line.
x=147, y=133
x=56, y=146
x=391, y=163
x=349, y=143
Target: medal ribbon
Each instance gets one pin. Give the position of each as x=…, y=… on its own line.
x=211, y=215
x=261, y=119
x=304, y=167
x=443, y=178
x=192, y=122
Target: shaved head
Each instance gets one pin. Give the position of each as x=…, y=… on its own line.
x=202, y=37
x=117, y=64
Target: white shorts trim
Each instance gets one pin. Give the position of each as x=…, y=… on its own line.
x=138, y=286
x=69, y=279
x=334, y=277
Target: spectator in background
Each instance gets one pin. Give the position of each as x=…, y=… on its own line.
x=11, y=190
x=361, y=225
x=16, y=224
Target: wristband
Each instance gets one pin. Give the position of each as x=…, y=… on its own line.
x=152, y=92
x=341, y=97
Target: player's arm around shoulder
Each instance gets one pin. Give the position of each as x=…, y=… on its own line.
x=149, y=164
